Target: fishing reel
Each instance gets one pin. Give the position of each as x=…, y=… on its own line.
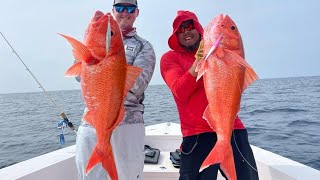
x=62, y=124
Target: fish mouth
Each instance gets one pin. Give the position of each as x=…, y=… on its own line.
x=97, y=16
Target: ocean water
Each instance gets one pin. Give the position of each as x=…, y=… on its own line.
x=281, y=115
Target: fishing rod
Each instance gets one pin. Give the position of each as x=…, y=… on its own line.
x=62, y=114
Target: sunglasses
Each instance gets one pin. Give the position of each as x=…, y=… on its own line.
x=183, y=28
x=121, y=8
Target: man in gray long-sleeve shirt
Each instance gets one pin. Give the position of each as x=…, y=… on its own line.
x=128, y=138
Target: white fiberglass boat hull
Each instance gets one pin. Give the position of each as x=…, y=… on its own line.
x=60, y=164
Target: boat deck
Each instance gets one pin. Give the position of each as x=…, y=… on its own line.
x=166, y=139
x=60, y=164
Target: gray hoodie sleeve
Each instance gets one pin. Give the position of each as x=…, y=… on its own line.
x=146, y=60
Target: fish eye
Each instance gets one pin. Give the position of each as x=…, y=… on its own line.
x=233, y=28
x=112, y=33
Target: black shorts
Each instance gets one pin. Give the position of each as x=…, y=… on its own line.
x=196, y=148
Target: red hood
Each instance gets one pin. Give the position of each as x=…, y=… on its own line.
x=182, y=16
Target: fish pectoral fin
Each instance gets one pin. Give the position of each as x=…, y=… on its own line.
x=80, y=51
x=132, y=74
x=233, y=56
x=74, y=70
x=201, y=68
x=109, y=164
x=250, y=76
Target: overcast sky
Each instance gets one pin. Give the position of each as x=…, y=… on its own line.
x=281, y=38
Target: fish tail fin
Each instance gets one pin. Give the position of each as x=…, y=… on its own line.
x=228, y=167
x=74, y=70
x=95, y=158
x=132, y=74
x=217, y=154
x=80, y=51
x=107, y=160
x=109, y=164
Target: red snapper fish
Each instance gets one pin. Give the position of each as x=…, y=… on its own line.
x=105, y=80
x=226, y=75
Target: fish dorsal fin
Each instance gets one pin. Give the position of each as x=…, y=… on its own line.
x=74, y=70
x=80, y=51
x=132, y=74
x=250, y=76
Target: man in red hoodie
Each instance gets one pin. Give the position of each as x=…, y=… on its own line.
x=178, y=71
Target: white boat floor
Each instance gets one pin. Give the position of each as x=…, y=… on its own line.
x=164, y=169
x=166, y=137
x=164, y=164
